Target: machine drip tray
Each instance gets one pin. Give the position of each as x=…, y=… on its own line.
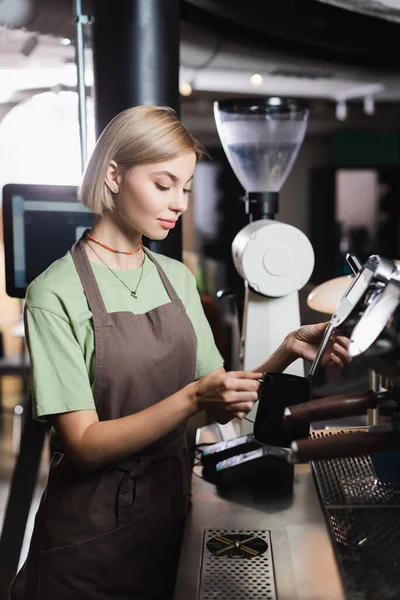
x=363, y=517
x=237, y=564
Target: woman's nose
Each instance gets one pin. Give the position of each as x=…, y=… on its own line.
x=179, y=202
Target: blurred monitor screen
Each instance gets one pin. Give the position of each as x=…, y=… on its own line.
x=40, y=223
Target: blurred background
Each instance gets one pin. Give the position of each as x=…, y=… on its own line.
x=343, y=191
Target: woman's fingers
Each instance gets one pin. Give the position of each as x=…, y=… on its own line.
x=245, y=375
x=231, y=411
x=225, y=389
x=236, y=384
x=336, y=360
x=240, y=415
x=245, y=407
x=233, y=398
x=242, y=389
x=342, y=340
x=341, y=353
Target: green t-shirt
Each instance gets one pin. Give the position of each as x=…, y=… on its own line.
x=60, y=334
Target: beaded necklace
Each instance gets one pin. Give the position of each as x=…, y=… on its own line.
x=113, y=249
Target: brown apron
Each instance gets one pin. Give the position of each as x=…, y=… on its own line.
x=114, y=534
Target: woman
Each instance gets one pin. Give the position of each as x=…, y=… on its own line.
x=122, y=356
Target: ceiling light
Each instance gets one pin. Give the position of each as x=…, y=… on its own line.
x=185, y=89
x=369, y=105
x=65, y=41
x=341, y=110
x=256, y=79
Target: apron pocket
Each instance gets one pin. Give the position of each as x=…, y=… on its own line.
x=131, y=506
x=133, y=498
x=95, y=541
x=93, y=569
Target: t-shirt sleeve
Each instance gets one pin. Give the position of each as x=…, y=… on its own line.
x=60, y=381
x=208, y=356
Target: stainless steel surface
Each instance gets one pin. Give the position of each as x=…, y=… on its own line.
x=375, y=382
x=363, y=516
x=303, y=560
x=354, y=263
x=378, y=316
x=310, y=540
x=376, y=272
x=80, y=68
x=373, y=416
x=230, y=578
x=321, y=350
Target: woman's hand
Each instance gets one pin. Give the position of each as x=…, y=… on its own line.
x=304, y=343
x=227, y=395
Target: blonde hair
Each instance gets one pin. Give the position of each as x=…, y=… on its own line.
x=136, y=136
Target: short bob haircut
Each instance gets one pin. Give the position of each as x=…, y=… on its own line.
x=136, y=136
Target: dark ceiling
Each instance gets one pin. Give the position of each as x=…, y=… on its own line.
x=301, y=26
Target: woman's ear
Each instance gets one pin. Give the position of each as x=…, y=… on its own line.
x=113, y=177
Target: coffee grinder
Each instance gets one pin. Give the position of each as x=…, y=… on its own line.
x=261, y=138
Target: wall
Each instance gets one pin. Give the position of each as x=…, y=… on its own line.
x=357, y=196
x=316, y=151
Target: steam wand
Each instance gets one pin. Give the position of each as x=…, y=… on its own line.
x=356, y=266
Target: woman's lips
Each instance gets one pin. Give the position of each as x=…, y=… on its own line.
x=167, y=224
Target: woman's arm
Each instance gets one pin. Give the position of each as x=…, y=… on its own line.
x=303, y=343
x=92, y=443
x=279, y=360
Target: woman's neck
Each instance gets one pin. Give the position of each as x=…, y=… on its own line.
x=106, y=231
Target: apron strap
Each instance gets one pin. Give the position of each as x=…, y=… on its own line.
x=137, y=480
x=89, y=284
x=91, y=289
x=167, y=284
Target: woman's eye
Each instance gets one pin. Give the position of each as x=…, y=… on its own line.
x=187, y=191
x=162, y=188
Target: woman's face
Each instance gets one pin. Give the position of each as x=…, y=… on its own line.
x=152, y=197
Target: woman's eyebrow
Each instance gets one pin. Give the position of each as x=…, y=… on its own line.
x=170, y=175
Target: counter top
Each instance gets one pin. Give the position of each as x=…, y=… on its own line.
x=304, y=563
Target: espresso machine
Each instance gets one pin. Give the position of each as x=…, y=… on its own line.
x=369, y=314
